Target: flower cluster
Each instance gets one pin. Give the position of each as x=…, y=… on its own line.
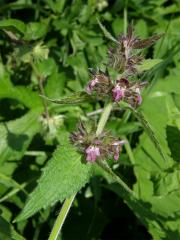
x=124, y=60
x=128, y=91
x=122, y=89
x=124, y=56
x=101, y=83
x=95, y=147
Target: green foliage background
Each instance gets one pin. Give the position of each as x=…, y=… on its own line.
x=55, y=42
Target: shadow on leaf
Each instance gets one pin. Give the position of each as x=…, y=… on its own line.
x=15, y=141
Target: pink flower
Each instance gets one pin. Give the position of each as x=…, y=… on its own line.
x=118, y=93
x=117, y=147
x=91, y=85
x=92, y=153
x=139, y=98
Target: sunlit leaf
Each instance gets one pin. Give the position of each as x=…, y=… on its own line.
x=63, y=176
x=148, y=64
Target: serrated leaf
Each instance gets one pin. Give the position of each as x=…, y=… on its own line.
x=147, y=127
x=63, y=176
x=14, y=25
x=147, y=64
x=16, y=135
x=76, y=98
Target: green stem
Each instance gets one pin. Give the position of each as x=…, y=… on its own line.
x=129, y=151
x=104, y=117
x=61, y=218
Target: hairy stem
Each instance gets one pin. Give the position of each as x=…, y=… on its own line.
x=61, y=218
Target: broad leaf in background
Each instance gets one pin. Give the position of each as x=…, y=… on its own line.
x=63, y=176
x=7, y=231
x=23, y=94
x=157, y=181
x=147, y=64
x=147, y=127
x=13, y=25
x=173, y=139
x=16, y=135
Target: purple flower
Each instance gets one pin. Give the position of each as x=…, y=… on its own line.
x=92, y=153
x=117, y=147
x=91, y=85
x=118, y=93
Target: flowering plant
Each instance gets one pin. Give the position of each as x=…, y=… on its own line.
x=93, y=145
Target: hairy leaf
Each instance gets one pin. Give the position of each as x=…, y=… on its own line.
x=63, y=176
x=76, y=98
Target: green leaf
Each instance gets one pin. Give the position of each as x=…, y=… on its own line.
x=63, y=176
x=147, y=127
x=176, y=98
x=55, y=84
x=16, y=135
x=13, y=25
x=23, y=94
x=35, y=30
x=173, y=138
x=76, y=98
x=8, y=232
x=148, y=64
x=46, y=67
x=107, y=34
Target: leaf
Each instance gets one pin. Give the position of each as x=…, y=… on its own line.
x=76, y=98
x=173, y=139
x=46, y=67
x=147, y=127
x=7, y=231
x=13, y=25
x=16, y=135
x=55, y=84
x=176, y=98
x=106, y=33
x=147, y=64
x=35, y=30
x=117, y=26
x=23, y=94
x=63, y=176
